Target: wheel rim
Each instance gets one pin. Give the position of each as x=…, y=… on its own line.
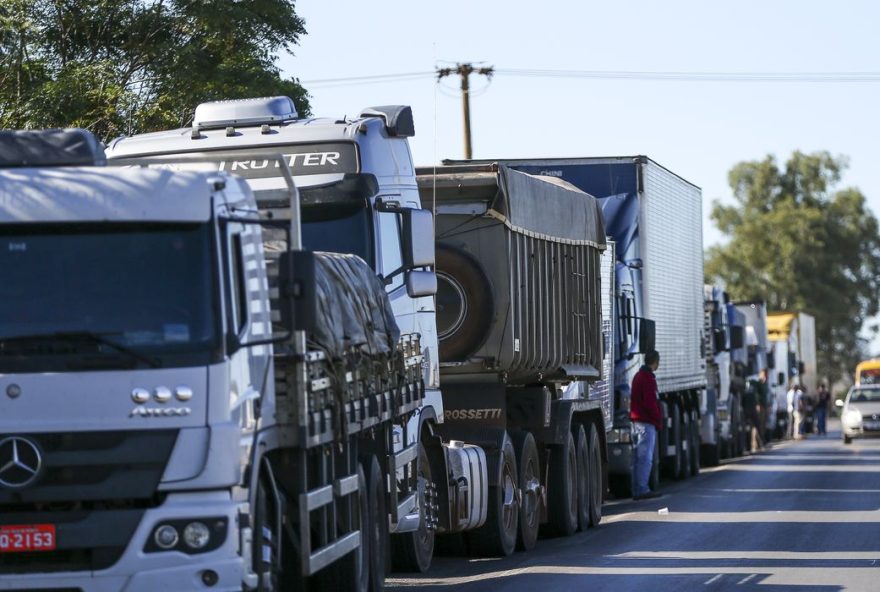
x=425, y=535
x=452, y=305
x=508, y=499
x=572, y=483
x=531, y=486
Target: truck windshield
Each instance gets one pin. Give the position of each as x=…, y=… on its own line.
x=106, y=296
x=339, y=228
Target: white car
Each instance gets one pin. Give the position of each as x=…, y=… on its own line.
x=861, y=413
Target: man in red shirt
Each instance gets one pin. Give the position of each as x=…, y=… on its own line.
x=647, y=419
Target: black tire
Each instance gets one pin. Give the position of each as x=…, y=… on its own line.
x=673, y=463
x=685, y=438
x=582, y=452
x=413, y=551
x=265, y=537
x=710, y=454
x=377, y=525
x=350, y=573
x=597, y=477
x=695, y=445
x=497, y=537
x=562, y=511
x=529, y=472
x=464, y=304
x=620, y=486
x=847, y=440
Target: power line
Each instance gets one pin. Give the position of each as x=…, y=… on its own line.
x=676, y=76
x=371, y=79
x=698, y=76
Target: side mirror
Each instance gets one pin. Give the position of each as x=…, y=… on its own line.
x=421, y=283
x=298, y=290
x=737, y=337
x=838, y=402
x=719, y=344
x=771, y=362
x=801, y=369
x=647, y=335
x=780, y=379
x=418, y=239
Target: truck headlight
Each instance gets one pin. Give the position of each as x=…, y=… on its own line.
x=188, y=535
x=166, y=537
x=196, y=535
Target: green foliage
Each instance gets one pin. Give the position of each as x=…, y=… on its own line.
x=801, y=245
x=129, y=66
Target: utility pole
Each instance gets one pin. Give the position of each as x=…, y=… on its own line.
x=465, y=71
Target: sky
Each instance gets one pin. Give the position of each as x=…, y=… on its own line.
x=697, y=129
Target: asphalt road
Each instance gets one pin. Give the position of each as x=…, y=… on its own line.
x=802, y=516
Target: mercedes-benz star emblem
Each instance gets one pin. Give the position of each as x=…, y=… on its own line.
x=20, y=462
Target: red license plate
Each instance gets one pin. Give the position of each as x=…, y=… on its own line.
x=27, y=537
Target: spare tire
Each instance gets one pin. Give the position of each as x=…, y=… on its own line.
x=465, y=307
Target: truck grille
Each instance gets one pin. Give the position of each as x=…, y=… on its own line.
x=94, y=488
x=95, y=466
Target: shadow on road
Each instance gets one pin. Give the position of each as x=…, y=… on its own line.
x=802, y=516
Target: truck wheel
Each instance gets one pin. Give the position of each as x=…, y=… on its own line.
x=582, y=451
x=497, y=537
x=265, y=542
x=683, y=440
x=562, y=494
x=413, y=551
x=620, y=486
x=847, y=439
x=464, y=304
x=597, y=481
x=529, y=472
x=695, y=445
x=377, y=526
x=351, y=573
x=711, y=454
x=673, y=438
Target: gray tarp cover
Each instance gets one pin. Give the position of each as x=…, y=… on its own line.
x=54, y=147
x=353, y=308
x=549, y=207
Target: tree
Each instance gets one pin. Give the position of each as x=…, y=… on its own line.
x=129, y=66
x=802, y=245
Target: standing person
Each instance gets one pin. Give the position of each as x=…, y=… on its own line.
x=765, y=403
x=798, y=405
x=790, y=397
x=823, y=398
x=750, y=414
x=647, y=419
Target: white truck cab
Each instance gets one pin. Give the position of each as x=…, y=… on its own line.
x=115, y=373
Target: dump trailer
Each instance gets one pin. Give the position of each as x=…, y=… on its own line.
x=522, y=344
x=655, y=218
x=206, y=406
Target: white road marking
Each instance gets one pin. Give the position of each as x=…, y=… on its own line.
x=713, y=579
x=857, y=517
x=856, y=579
x=745, y=579
x=753, y=555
